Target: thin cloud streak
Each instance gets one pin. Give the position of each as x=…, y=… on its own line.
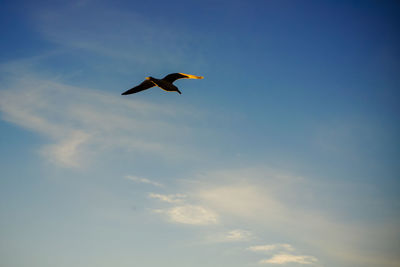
x=229, y=236
x=268, y=248
x=174, y=198
x=238, y=235
x=142, y=180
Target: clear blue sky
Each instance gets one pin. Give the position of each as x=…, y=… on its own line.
x=285, y=154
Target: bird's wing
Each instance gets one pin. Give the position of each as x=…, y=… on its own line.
x=175, y=76
x=143, y=86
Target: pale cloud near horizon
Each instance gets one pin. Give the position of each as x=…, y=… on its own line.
x=213, y=204
x=258, y=198
x=282, y=254
x=279, y=202
x=284, y=258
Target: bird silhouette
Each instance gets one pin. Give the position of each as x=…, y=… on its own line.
x=165, y=83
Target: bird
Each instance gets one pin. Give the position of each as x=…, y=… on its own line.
x=164, y=83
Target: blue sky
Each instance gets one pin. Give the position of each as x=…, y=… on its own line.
x=285, y=154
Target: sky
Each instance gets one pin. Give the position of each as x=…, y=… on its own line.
x=285, y=154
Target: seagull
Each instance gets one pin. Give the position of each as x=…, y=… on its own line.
x=165, y=83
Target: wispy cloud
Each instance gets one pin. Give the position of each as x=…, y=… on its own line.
x=66, y=152
x=273, y=247
x=190, y=214
x=289, y=258
x=174, y=198
x=184, y=210
x=236, y=235
x=282, y=254
x=81, y=122
x=241, y=200
x=142, y=180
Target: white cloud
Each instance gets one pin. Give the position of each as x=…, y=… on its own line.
x=174, y=198
x=282, y=255
x=237, y=235
x=289, y=258
x=191, y=214
x=273, y=247
x=142, y=180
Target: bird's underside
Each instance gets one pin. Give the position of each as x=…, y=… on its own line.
x=165, y=83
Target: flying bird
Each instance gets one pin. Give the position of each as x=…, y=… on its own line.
x=165, y=83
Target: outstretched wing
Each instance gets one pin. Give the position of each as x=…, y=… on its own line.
x=143, y=86
x=175, y=76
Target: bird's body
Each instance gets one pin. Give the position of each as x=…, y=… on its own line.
x=164, y=83
x=166, y=86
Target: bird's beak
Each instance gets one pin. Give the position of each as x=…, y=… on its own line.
x=147, y=78
x=190, y=76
